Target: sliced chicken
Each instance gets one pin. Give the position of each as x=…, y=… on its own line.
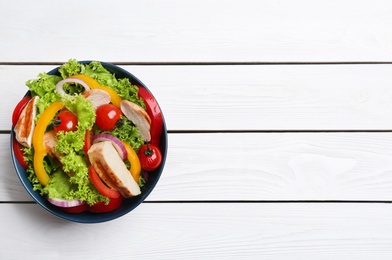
x=50, y=144
x=112, y=170
x=97, y=96
x=24, y=128
x=138, y=116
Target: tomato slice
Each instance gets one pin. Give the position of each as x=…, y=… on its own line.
x=19, y=154
x=101, y=187
x=101, y=207
x=18, y=109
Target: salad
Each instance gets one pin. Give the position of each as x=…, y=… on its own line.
x=87, y=139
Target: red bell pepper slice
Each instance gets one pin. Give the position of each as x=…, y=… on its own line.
x=18, y=109
x=87, y=142
x=101, y=187
x=19, y=154
x=155, y=114
x=76, y=209
x=101, y=207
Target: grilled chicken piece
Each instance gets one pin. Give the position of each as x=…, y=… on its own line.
x=138, y=116
x=97, y=96
x=50, y=143
x=112, y=170
x=24, y=128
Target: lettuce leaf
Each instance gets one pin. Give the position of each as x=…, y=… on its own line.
x=96, y=71
x=128, y=91
x=83, y=109
x=78, y=186
x=72, y=142
x=70, y=68
x=60, y=186
x=45, y=87
x=126, y=131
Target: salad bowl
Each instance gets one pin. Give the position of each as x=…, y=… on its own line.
x=127, y=204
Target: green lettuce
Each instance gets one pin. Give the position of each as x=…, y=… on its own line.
x=126, y=131
x=60, y=186
x=72, y=67
x=45, y=87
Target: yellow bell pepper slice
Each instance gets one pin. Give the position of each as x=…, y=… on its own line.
x=93, y=84
x=135, y=162
x=38, y=141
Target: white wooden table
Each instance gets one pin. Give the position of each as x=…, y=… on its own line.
x=279, y=116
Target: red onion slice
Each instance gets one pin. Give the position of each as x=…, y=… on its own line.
x=60, y=84
x=65, y=203
x=116, y=143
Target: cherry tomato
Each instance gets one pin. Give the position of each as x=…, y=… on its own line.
x=18, y=109
x=101, y=186
x=107, y=117
x=155, y=114
x=150, y=157
x=19, y=154
x=102, y=207
x=65, y=121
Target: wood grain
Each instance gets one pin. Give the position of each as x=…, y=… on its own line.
x=205, y=231
x=207, y=31
x=260, y=167
x=303, y=97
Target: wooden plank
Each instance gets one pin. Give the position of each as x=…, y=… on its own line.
x=306, y=97
x=264, y=166
x=205, y=31
x=205, y=231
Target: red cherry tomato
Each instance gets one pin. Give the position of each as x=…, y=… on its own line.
x=101, y=187
x=102, y=207
x=19, y=154
x=107, y=117
x=150, y=157
x=65, y=121
x=155, y=114
x=18, y=109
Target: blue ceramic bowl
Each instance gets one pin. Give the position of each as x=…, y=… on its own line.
x=128, y=204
